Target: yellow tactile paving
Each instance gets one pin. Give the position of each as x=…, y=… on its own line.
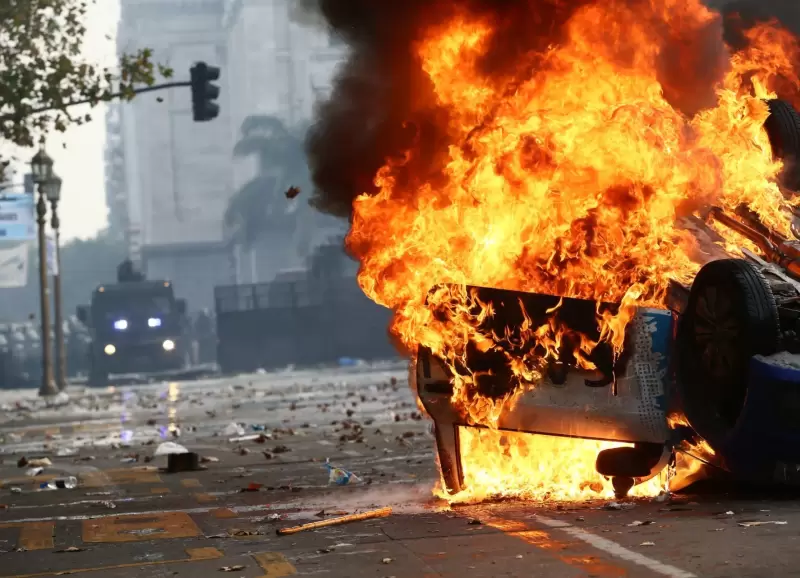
x=131, y=476
x=191, y=483
x=195, y=555
x=25, y=481
x=159, y=490
x=34, y=535
x=205, y=498
x=274, y=565
x=139, y=528
x=223, y=513
x=94, y=427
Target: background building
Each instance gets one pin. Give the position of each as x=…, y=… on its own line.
x=170, y=180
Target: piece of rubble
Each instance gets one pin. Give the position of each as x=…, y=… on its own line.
x=232, y=568
x=372, y=514
x=764, y=523
x=183, y=462
x=169, y=448
x=233, y=429
x=647, y=544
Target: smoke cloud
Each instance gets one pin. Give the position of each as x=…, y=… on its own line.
x=382, y=102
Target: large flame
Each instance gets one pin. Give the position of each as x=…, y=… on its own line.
x=567, y=179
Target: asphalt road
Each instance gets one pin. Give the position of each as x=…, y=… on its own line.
x=130, y=518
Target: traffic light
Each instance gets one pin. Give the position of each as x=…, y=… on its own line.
x=204, y=93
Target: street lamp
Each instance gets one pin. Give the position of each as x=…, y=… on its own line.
x=41, y=167
x=42, y=171
x=52, y=190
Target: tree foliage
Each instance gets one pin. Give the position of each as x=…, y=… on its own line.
x=43, y=68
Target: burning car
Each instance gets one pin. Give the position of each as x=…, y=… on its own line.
x=551, y=197
x=694, y=377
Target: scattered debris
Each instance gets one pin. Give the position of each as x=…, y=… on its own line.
x=71, y=549
x=208, y=460
x=292, y=192
x=232, y=568
x=252, y=487
x=16, y=490
x=387, y=560
x=170, y=448
x=380, y=513
x=647, y=544
x=241, y=533
x=640, y=523
x=183, y=462
x=618, y=506
x=750, y=524
x=34, y=463
x=258, y=438
x=340, y=476
x=233, y=429
x=474, y=522
x=323, y=513
x=33, y=472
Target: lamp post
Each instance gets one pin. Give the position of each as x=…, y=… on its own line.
x=52, y=190
x=42, y=171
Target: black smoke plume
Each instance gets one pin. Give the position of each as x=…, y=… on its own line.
x=382, y=103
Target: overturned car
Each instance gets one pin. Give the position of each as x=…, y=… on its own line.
x=716, y=368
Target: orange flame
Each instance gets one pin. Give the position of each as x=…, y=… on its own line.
x=567, y=180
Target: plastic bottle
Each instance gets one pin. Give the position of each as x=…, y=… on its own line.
x=68, y=483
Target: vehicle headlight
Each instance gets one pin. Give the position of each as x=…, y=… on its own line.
x=110, y=349
x=121, y=324
x=154, y=322
x=168, y=345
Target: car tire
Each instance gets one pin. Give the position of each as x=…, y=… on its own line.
x=731, y=315
x=783, y=129
x=629, y=462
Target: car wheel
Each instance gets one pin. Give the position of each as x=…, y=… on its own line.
x=783, y=130
x=630, y=462
x=731, y=316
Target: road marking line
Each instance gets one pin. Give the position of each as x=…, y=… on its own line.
x=223, y=513
x=191, y=483
x=604, y=545
x=139, y=528
x=34, y=535
x=237, y=509
x=274, y=564
x=543, y=541
x=619, y=551
x=195, y=555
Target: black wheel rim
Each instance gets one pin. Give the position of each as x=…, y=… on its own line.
x=716, y=335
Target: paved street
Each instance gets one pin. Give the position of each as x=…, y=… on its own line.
x=130, y=518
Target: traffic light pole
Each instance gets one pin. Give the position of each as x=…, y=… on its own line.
x=94, y=101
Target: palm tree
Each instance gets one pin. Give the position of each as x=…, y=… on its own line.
x=261, y=205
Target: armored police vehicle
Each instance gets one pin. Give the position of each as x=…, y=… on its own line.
x=136, y=327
